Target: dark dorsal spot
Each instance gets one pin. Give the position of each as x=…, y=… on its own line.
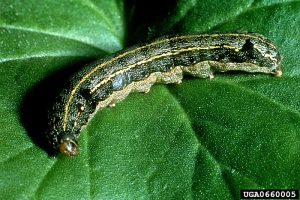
x=248, y=49
x=85, y=93
x=93, y=104
x=222, y=53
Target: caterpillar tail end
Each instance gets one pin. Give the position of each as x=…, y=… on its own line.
x=278, y=73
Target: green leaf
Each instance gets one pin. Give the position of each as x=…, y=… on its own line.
x=202, y=139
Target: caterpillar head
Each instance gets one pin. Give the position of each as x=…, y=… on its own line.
x=68, y=145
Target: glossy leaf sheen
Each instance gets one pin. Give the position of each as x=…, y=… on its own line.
x=202, y=139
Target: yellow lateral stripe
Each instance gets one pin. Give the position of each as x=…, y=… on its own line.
x=143, y=62
x=84, y=78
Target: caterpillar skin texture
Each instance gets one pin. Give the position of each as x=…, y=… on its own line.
x=137, y=68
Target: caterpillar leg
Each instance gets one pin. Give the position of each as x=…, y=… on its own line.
x=173, y=76
x=201, y=70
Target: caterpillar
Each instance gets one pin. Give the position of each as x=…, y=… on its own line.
x=163, y=60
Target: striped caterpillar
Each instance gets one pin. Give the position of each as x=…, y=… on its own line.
x=164, y=60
